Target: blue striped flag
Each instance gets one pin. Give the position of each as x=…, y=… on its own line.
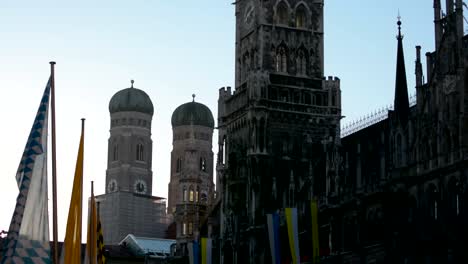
x=28, y=235
x=274, y=238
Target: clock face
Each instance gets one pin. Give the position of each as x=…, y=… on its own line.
x=140, y=187
x=249, y=15
x=112, y=186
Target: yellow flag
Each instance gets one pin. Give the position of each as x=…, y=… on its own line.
x=71, y=252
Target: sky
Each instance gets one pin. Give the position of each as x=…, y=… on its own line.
x=171, y=49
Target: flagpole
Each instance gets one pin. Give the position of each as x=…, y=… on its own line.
x=54, y=166
x=92, y=239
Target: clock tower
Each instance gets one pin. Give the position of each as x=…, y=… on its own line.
x=130, y=146
x=128, y=207
x=279, y=130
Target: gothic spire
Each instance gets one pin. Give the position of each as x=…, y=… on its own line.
x=401, y=89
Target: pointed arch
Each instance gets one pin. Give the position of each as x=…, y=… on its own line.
x=301, y=61
x=301, y=14
x=282, y=58
x=282, y=13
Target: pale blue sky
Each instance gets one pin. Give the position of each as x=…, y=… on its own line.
x=172, y=49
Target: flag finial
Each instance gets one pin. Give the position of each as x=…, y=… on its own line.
x=193, y=97
x=132, y=82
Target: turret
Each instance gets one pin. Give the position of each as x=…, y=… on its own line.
x=401, y=89
x=418, y=67
x=437, y=23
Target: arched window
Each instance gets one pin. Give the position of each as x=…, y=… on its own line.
x=115, y=153
x=190, y=228
x=139, y=152
x=197, y=192
x=301, y=21
x=203, y=164
x=282, y=13
x=191, y=198
x=184, y=197
x=179, y=165
x=184, y=228
x=281, y=59
x=301, y=61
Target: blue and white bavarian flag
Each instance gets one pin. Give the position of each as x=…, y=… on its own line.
x=28, y=236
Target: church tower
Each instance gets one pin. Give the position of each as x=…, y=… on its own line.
x=130, y=146
x=279, y=128
x=128, y=207
x=191, y=185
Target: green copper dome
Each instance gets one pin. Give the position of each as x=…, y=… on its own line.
x=131, y=100
x=192, y=113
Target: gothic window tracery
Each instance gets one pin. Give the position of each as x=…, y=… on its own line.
x=301, y=62
x=281, y=59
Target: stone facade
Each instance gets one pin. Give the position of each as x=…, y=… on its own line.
x=403, y=192
x=393, y=190
x=279, y=127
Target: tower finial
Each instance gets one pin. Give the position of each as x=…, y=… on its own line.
x=399, y=25
x=193, y=97
x=132, y=81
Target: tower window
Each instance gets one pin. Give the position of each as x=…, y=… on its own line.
x=184, y=228
x=115, y=153
x=203, y=164
x=139, y=152
x=184, y=197
x=301, y=17
x=281, y=60
x=197, y=192
x=190, y=228
x=179, y=165
x=282, y=13
x=301, y=62
x=191, y=194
